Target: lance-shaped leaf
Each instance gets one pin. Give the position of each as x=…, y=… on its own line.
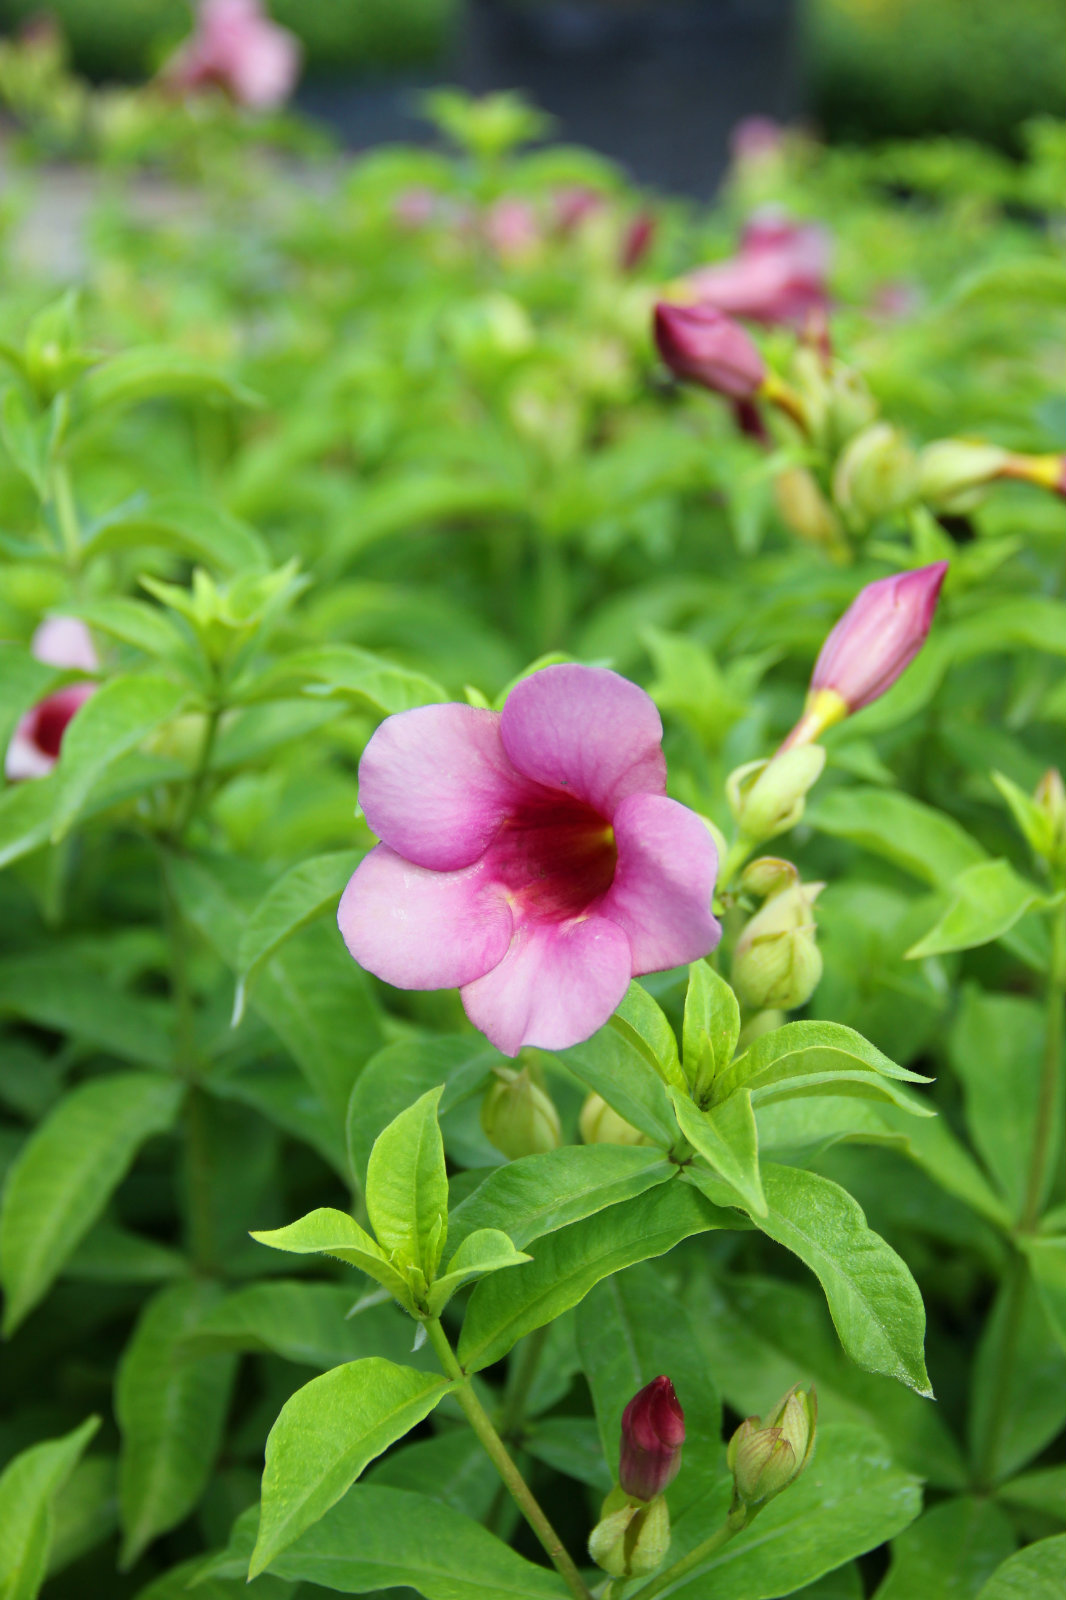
x=711, y=1027
x=480, y=1253
x=297, y=897
x=64, y=1174
x=804, y=1056
x=171, y=1410
x=1034, y=1573
x=28, y=1486
x=619, y=1065
x=326, y=1434
x=873, y=1299
x=407, y=1186
x=117, y=718
x=567, y=1264
x=334, y=1233
x=541, y=1193
x=151, y=372
x=199, y=529
x=986, y=901
x=645, y=1023
x=727, y=1139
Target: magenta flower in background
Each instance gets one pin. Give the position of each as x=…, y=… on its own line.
x=529, y=857
x=874, y=642
x=236, y=47
x=777, y=276
x=512, y=229
x=700, y=344
x=36, y=741
x=653, y=1432
x=637, y=241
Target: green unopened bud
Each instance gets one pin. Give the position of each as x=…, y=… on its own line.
x=805, y=509
x=758, y=1023
x=851, y=406
x=600, y=1123
x=875, y=475
x=632, y=1537
x=767, y=876
x=953, y=473
x=777, y=963
x=767, y=797
x=518, y=1116
x=766, y=1455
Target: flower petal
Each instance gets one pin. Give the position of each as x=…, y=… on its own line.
x=661, y=894
x=65, y=642
x=434, y=784
x=585, y=730
x=423, y=930
x=556, y=985
x=23, y=759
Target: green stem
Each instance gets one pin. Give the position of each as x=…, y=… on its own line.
x=194, y=793
x=1045, y=1115
x=496, y=1450
x=62, y=497
x=695, y=1558
x=737, y=854
x=200, y=1227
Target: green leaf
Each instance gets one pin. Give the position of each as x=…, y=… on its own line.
x=487, y=1250
x=996, y=1047
x=154, y=372
x=147, y=628
x=298, y=896
x=1034, y=1573
x=760, y=1335
x=1043, y=1491
x=629, y=1330
x=567, y=1264
x=194, y=1578
x=171, y=1412
x=61, y=991
x=986, y=901
x=539, y=1194
x=110, y=1254
x=570, y=1445
x=949, y=1551
x=903, y=830
x=407, y=1186
x=712, y=1024
x=198, y=529
x=309, y=1323
x=344, y=669
x=1047, y=1263
x=619, y=1065
x=647, y=1021
x=117, y=718
x=873, y=1299
x=727, y=1139
x=27, y=439
x=397, y=1075
x=376, y=1538
x=28, y=1488
x=334, y=1233
x=1018, y=1385
x=851, y=1499
x=806, y=1056
x=64, y=1174
x=451, y=1467
x=326, y=1434
x=396, y=504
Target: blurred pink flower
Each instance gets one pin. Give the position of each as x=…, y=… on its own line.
x=777, y=276
x=755, y=138
x=36, y=741
x=235, y=46
x=573, y=205
x=637, y=241
x=512, y=229
x=700, y=344
x=530, y=857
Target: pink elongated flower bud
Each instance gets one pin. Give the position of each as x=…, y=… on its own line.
x=703, y=345
x=653, y=1432
x=874, y=642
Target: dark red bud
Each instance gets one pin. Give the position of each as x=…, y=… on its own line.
x=653, y=1431
x=703, y=345
x=50, y=719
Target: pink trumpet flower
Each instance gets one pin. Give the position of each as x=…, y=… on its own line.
x=653, y=1432
x=36, y=741
x=529, y=857
x=874, y=642
x=236, y=47
x=777, y=276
